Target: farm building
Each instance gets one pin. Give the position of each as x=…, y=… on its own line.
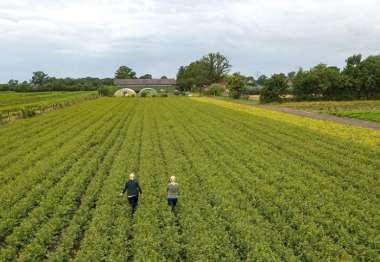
x=139, y=84
x=125, y=92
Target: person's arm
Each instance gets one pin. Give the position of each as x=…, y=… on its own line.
x=125, y=188
x=138, y=186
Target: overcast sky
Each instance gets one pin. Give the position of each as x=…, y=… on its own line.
x=77, y=38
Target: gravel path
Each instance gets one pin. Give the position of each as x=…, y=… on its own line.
x=341, y=120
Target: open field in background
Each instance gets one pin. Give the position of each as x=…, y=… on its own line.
x=363, y=109
x=16, y=104
x=253, y=186
x=240, y=101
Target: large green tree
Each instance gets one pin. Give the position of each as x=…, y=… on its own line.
x=12, y=83
x=124, y=72
x=193, y=76
x=218, y=66
x=261, y=79
x=321, y=81
x=351, y=74
x=236, y=84
x=39, y=78
x=209, y=69
x=369, y=77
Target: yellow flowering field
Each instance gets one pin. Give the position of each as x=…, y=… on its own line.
x=354, y=134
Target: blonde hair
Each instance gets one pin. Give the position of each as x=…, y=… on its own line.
x=172, y=179
x=132, y=176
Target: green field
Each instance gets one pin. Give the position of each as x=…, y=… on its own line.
x=252, y=188
x=239, y=101
x=365, y=110
x=14, y=103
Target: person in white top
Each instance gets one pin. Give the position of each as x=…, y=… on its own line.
x=173, y=191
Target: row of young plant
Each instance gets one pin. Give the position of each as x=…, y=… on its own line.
x=32, y=146
x=21, y=140
x=260, y=224
x=355, y=135
x=68, y=244
x=100, y=165
x=39, y=215
x=25, y=108
x=343, y=157
x=14, y=135
x=277, y=157
x=174, y=236
x=28, y=186
x=111, y=209
x=158, y=234
x=252, y=188
x=251, y=240
x=242, y=198
x=154, y=232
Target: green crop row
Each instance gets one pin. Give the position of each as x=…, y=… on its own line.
x=24, y=105
x=251, y=188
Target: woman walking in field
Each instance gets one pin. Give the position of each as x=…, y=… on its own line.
x=133, y=190
x=173, y=191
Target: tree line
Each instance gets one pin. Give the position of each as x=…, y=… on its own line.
x=43, y=82
x=210, y=75
x=359, y=79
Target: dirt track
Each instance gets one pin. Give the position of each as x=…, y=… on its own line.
x=341, y=120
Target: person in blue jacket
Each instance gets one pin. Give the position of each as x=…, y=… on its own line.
x=133, y=190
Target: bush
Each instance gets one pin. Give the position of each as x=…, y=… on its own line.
x=319, y=82
x=179, y=93
x=252, y=90
x=144, y=94
x=28, y=113
x=236, y=85
x=274, y=88
x=107, y=90
x=235, y=95
x=215, y=90
x=164, y=95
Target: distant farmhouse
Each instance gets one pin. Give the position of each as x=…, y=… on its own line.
x=167, y=85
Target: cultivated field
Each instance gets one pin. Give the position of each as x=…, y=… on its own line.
x=255, y=184
x=366, y=110
x=21, y=104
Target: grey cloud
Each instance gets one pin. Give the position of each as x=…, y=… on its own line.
x=83, y=37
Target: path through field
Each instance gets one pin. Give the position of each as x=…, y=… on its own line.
x=314, y=115
x=251, y=187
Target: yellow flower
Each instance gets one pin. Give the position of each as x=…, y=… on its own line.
x=359, y=135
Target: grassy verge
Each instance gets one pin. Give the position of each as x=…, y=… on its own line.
x=239, y=101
